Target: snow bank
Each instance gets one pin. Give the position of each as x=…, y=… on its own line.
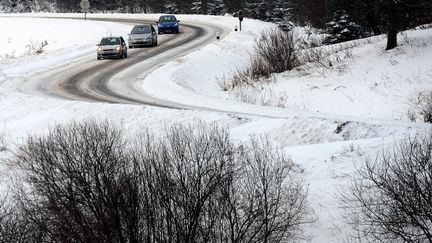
x=24, y=37
x=371, y=83
x=65, y=40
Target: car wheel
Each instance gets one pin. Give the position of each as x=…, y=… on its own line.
x=98, y=57
x=156, y=43
x=130, y=47
x=125, y=54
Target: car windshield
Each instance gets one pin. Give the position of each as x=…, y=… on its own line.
x=168, y=18
x=110, y=41
x=142, y=29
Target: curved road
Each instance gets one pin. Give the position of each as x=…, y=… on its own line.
x=92, y=80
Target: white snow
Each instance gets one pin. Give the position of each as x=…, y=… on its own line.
x=25, y=37
x=369, y=88
x=65, y=40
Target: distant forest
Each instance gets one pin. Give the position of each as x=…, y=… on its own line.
x=363, y=18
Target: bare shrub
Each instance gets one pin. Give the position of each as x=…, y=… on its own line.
x=258, y=96
x=424, y=27
x=317, y=56
x=328, y=56
x=86, y=183
x=275, y=52
x=389, y=199
x=36, y=47
x=278, y=50
x=421, y=107
x=3, y=145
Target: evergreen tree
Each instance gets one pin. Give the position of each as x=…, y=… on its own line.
x=184, y=6
x=259, y=9
x=21, y=6
x=5, y=6
x=233, y=6
x=197, y=7
x=216, y=7
x=281, y=14
x=171, y=8
x=315, y=12
x=366, y=14
x=156, y=6
x=398, y=15
x=342, y=28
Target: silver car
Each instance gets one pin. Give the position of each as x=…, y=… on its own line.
x=142, y=35
x=111, y=47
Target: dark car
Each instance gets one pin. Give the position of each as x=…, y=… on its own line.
x=142, y=35
x=112, y=47
x=168, y=24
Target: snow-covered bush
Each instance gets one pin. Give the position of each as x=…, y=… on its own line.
x=342, y=28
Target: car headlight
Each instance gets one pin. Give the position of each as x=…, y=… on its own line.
x=176, y=24
x=99, y=49
x=159, y=25
x=130, y=39
x=118, y=48
x=148, y=38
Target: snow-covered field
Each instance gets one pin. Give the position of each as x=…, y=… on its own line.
x=369, y=90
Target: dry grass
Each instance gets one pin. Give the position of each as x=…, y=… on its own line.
x=421, y=107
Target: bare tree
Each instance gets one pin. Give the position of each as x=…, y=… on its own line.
x=80, y=184
x=15, y=226
x=86, y=183
x=266, y=202
x=191, y=167
x=390, y=199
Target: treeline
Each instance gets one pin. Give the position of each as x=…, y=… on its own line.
x=344, y=19
x=367, y=13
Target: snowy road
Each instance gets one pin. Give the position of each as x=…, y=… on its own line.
x=99, y=81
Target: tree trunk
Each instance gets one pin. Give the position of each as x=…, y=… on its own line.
x=391, y=39
x=392, y=28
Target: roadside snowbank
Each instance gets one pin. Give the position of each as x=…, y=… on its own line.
x=65, y=40
x=25, y=37
x=365, y=83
